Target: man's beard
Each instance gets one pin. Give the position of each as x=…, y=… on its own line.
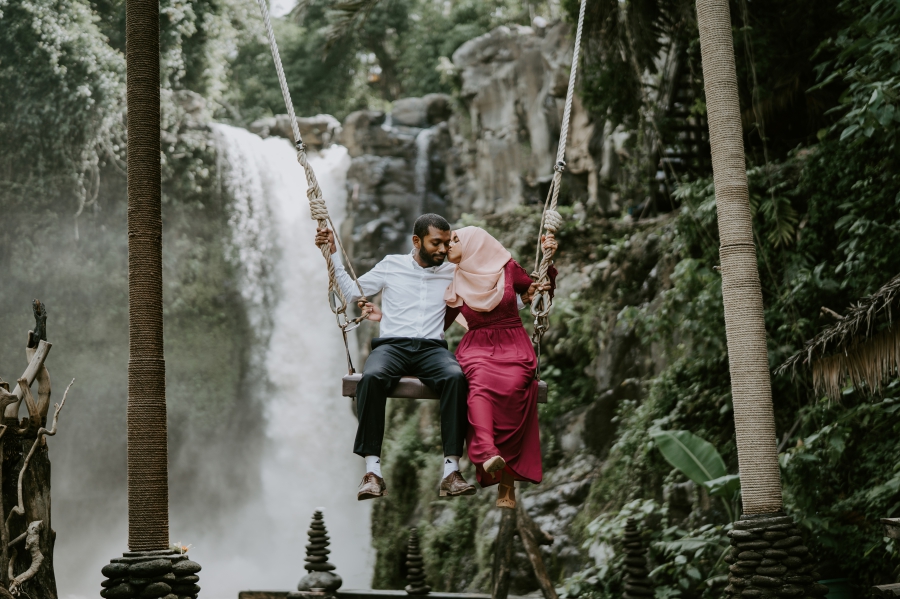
x=428, y=259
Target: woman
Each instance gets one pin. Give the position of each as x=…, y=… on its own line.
x=498, y=360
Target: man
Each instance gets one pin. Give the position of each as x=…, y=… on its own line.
x=411, y=342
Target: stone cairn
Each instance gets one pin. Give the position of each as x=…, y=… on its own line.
x=320, y=578
x=415, y=566
x=768, y=559
x=166, y=574
x=637, y=583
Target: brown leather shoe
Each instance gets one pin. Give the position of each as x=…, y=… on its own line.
x=372, y=486
x=454, y=485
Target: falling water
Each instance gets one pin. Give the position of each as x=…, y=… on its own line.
x=307, y=461
x=423, y=146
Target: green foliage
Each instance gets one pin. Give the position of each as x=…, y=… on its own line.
x=695, y=458
x=319, y=82
x=61, y=94
x=683, y=563
x=699, y=461
x=867, y=65
x=844, y=476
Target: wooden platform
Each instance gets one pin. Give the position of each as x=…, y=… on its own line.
x=410, y=387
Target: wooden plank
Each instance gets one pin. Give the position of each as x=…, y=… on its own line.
x=410, y=387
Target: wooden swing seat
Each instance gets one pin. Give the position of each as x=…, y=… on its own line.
x=410, y=387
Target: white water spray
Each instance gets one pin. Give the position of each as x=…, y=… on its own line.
x=308, y=460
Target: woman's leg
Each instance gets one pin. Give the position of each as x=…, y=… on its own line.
x=506, y=490
x=481, y=427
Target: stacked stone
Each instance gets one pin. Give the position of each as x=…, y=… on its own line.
x=768, y=559
x=164, y=574
x=637, y=583
x=320, y=577
x=415, y=566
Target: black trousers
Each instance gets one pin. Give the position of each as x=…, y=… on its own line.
x=435, y=365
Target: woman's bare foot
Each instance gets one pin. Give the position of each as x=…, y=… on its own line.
x=494, y=464
x=506, y=491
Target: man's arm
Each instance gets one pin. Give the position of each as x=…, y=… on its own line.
x=372, y=282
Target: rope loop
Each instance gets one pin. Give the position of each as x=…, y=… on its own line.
x=553, y=221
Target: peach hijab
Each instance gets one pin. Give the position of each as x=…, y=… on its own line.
x=478, y=280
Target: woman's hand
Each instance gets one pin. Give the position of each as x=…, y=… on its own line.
x=528, y=296
x=372, y=311
x=549, y=243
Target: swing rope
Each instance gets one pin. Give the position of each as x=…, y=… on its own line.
x=551, y=220
x=317, y=208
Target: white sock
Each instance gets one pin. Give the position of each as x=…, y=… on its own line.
x=451, y=464
x=373, y=465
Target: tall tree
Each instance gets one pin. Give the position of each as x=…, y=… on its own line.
x=148, y=479
x=745, y=327
x=763, y=522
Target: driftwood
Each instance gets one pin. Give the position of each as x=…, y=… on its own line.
x=32, y=545
x=530, y=534
x=25, y=526
x=35, y=365
x=20, y=507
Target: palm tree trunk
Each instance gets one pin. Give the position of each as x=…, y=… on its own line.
x=748, y=360
x=763, y=530
x=148, y=485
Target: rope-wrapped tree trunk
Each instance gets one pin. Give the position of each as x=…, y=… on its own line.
x=768, y=557
x=151, y=569
x=148, y=485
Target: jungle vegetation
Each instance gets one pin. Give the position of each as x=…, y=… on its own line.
x=820, y=84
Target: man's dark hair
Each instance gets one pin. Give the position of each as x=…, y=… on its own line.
x=420, y=229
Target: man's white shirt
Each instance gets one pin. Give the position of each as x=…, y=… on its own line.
x=413, y=301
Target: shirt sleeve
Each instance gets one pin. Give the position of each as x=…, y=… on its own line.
x=372, y=282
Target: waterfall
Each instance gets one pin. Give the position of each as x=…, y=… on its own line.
x=423, y=146
x=307, y=461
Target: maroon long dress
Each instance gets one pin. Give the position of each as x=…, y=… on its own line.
x=499, y=361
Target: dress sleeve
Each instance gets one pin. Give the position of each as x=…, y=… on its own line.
x=450, y=315
x=520, y=279
x=552, y=272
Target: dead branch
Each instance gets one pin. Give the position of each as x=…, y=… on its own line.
x=503, y=554
x=34, y=417
x=44, y=387
x=526, y=532
x=542, y=537
x=37, y=362
x=42, y=432
x=4, y=530
x=12, y=563
x=33, y=546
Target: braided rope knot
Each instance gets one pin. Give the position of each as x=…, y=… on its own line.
x=553, y=221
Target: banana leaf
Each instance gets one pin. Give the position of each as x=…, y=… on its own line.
x=694, y=457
